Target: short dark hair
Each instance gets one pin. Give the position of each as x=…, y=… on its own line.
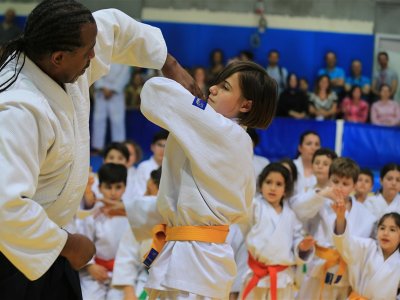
x=384, y=53
x=277, y=167
x=368, y=173
x=161, y=135
x=112, y=173
x=155, y=175
x=389, y=167
x=53, y=25
x=255, y=85
x=119, y=147
x=344, y=167
x=324, y=152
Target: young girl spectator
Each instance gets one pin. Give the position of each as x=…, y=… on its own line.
x=323, y=102
x=354, y=108
x=216, y=64
x=292, y=102
x=274, y=242
x=388, y=198
x=373, y=265
x=105, y=231
x=309, y=143
x=385, y=111
x=204, y=188
x=364, y=185
x=200, y=77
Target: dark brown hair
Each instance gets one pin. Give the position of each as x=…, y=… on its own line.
x=344, y=167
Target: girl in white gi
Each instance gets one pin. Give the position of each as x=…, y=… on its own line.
x=105, y=231
x=130, y=274
x=309, y=143
x=373, y=265
x=327, y=274
x=388, y=199
x=208, y=176
x=275, y=242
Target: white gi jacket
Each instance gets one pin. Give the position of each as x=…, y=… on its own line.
x=208, y=179
x=378, y=206
x=303, y=184
x=44, y=142
x=275, y=243
x=360, y=223
x=143, y=171
x=369, y=274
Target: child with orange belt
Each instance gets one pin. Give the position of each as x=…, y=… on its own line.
x=105, y=231
x=275, y=242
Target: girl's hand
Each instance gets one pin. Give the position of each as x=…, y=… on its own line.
x=98, y=272
x=307, y=243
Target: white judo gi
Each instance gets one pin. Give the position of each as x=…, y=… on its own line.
x=378, y=206
x=273, y=240
x=369, y=274
x=208, y=179
x=303, y=183
x=142, y=175
x=360, y=222
x=44, y=142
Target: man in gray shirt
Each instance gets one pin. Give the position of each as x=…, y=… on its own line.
x=384, y=75
x=276, y=71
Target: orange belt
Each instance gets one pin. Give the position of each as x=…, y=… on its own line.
x=162, y=234
x=355, y=296
x=332, y=258
x=261, y=270
x=108, y=264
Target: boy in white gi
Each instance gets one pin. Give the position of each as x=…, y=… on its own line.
x=327, y=274
x=45, y=76
x=275, y=241
x=364, y=185
x=105, y=231
x=373, y=265
x=208, y=177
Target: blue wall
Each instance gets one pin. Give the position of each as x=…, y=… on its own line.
x=302, y=52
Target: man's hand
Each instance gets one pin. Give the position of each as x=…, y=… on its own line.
x=78, y=250
x=173, y=70
x=98, y=272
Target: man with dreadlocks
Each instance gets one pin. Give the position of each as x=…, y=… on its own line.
x=44, y=138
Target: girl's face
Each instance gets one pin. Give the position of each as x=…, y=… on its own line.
x=385, y=93
x=303, y=85
x=364, y=184
x=273, y=188
x=388, y=236
x=310, y=144
x=293, y=82
x=391, y=182
x=132, y=155
x=116, y=157
x=226, y=98
x=323, y=83
x=356, y=93
x=321, y=166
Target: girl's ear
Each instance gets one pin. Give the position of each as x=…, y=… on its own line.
x=246, y=106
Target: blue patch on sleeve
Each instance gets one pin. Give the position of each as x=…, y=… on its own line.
x=200, y=103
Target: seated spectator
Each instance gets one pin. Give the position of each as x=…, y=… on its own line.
x=385, y=111
x=336, y=74
x=323, y=102
x=216, y=64
x=354, y=108
x=293, y=102
x=9, y=29
x=384, y=75
x=276, y=71
x=246, y=55
x=304, y=86
x=132, y=91
x=356, y=78
x=200, y=77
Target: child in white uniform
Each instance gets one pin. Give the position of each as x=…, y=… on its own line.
x=364, y=185
x=208, y=177
x=373, y=265
x=274, y=241
x=327, y=275
x=388, y=200
x=105, y=231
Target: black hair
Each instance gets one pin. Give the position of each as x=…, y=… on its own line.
x=319, y=79
x=248, y=54
x=395, y=216
x=278, y=168
x=155, y=175
x=161, y=135
x=367, y=172
x=292, y=166
x=253, y=135
x=303, y=136
x=112, y=173
x=119, y=147
x=325, y=152
x=384, y=53
x=53, y=25
x=389, y=167
x=212, y=53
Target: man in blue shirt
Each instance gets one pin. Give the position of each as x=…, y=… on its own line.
x=356, y=78
x=336, y=74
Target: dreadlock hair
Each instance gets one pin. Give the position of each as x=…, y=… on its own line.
x=53, y=25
